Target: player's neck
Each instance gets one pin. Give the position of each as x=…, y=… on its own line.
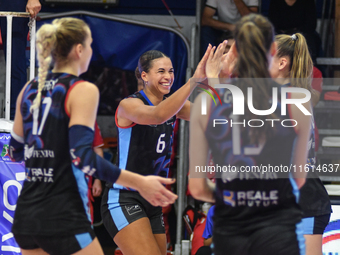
x=154, y=96
x=282, y=80
x=66, y=68
x=290, y=2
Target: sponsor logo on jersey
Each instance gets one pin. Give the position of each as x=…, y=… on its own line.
x=229, y=198
x=251, y=198
x=257, y=198
x=39, y=174
x=229, y=176
x=311, y=161
x=170, y=121
x=30, y=152
x=133, y=209
x=49, y=84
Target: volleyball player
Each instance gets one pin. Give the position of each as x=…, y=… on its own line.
x=53, y=132
x=292, y=66
x=254, y=213
x=145, y=122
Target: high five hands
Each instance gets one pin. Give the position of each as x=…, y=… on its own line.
x=215, y=60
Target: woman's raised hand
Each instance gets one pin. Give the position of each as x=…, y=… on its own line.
x=229, y=62
x=215, y=59
x=200, y=69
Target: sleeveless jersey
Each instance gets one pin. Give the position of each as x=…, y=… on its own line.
x=145, y=149
x=314, y=199
x=53, y=199
x=250, y=199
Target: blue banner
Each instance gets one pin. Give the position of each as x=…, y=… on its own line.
x=12, y=175
x=118, y=44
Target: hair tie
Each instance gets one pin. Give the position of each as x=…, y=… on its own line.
x=294, y=37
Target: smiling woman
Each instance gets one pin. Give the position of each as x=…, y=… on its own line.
x=145, y=122
x=160, y=75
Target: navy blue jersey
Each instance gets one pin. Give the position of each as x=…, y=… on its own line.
x=145, y=149
x=247, y=199
x=53, y=199
x=314, y=199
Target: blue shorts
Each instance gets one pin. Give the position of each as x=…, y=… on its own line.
x=56, y=245
x=315, y=225
x=122, y=207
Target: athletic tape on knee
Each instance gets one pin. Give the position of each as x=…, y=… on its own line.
x=85, y=159
x=16, y=147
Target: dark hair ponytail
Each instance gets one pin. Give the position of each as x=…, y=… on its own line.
x=145, y=60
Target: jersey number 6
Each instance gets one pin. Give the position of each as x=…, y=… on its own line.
x=161, y=144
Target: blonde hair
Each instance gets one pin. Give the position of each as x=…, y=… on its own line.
x=54, y=43
x=301, y=64
x=254, y=35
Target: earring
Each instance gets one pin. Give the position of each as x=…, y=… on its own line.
x=146, y=83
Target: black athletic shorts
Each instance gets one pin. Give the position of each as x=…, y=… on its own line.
x=56, y=245
x=275, y=239
x=315, y=225
x=122, y=207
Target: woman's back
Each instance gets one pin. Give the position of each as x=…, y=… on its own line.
x=256, y=187
x=51, y=183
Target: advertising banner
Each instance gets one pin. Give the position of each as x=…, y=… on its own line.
x=12, y=175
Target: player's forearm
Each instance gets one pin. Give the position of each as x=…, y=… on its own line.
x=243, y=9
x=207, y=242
x=99, y=151
x=217, y=24
x=173, y=104
x=202, y=189
x=130, y=179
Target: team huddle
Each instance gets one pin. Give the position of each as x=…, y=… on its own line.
x=255, y=215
